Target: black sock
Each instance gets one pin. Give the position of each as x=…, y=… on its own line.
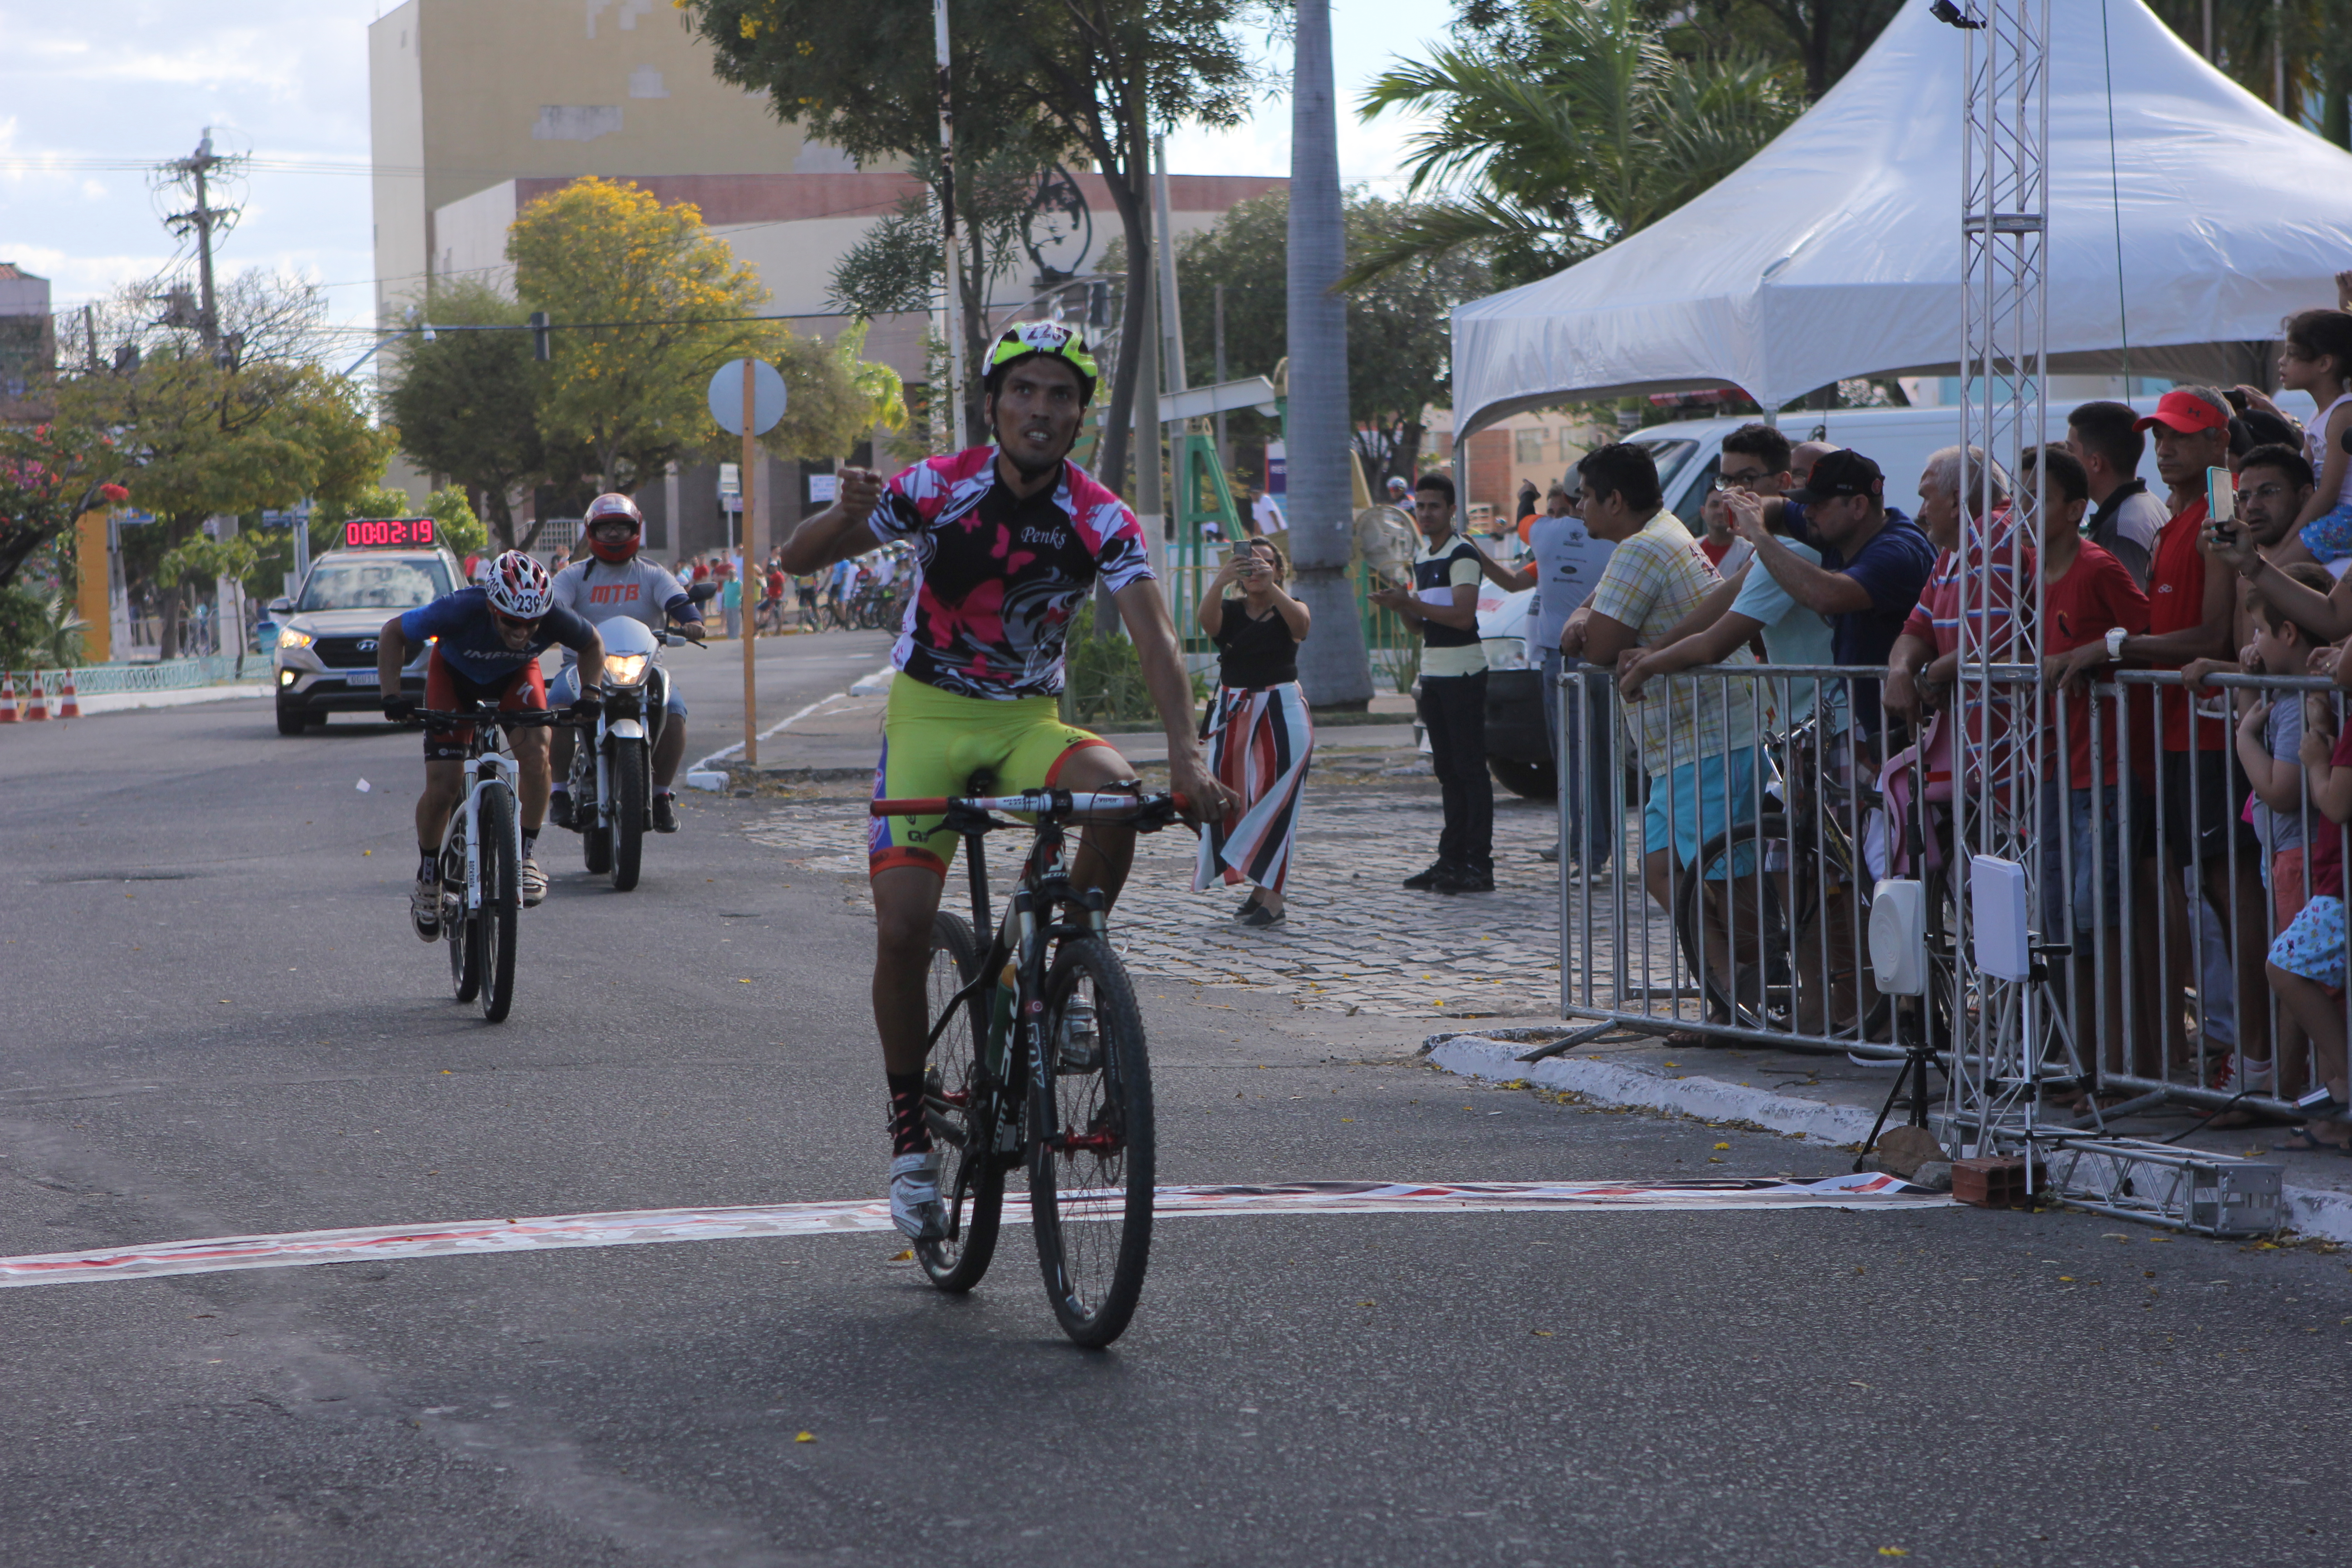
x=909, y=1133
x=530, y=839
x=428, y=864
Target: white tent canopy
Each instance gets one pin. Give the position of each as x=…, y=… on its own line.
x=1836, y=251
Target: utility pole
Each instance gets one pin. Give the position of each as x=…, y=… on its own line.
x=203, y=218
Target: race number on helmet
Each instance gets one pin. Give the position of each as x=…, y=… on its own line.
x=519, y=587
x=1055, y=340
x=614, y=507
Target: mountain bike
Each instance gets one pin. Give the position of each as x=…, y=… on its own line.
x=1037, y=1057
x=481, y=858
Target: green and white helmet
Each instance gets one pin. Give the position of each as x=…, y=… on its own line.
x=1027, y=340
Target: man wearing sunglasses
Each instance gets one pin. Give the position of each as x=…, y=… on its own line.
x=487, y=640
x=1009, y=539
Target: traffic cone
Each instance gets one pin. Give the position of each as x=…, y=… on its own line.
x=41, y=707
x=67, y=707
x=7, y=696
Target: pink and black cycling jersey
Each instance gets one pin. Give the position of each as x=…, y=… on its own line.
x=997, y=577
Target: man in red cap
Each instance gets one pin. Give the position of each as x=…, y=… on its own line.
x=2192, y=614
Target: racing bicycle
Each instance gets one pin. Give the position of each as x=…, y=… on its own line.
x=1037, y=1057
x=481, y=858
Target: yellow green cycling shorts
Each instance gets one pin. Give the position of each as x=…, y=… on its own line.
x=933, y=742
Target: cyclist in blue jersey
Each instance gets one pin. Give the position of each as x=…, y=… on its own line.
x=485, y=645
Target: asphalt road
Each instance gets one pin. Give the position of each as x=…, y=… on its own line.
x=218, y=1024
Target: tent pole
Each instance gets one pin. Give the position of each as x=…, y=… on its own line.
x=1771, y=416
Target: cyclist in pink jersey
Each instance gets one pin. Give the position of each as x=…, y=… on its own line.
x=1008, y=539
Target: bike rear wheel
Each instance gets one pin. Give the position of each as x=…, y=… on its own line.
x=1091, y=1162
x=628, y=817
x=972, y=1176
x=494, y=922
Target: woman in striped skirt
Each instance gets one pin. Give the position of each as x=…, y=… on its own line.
x=1257, y=729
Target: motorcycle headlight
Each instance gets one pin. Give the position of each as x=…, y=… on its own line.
x=289, y=638
x=624, y=669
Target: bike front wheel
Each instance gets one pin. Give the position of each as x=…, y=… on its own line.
x=1091, y=1162
x=960, y=1113
x=461, y=936
x=630, y=781
x=494, y=922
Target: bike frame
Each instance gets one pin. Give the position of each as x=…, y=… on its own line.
x=482, y=750
x=1023, y=939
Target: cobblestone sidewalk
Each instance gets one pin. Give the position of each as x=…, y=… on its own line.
x=1355, y=942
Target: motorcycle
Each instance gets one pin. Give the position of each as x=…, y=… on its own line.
x=612, y=769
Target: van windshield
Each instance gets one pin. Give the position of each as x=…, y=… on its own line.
x=359, y=582
x=1669, y=454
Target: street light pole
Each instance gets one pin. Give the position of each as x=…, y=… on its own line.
x=954, y=315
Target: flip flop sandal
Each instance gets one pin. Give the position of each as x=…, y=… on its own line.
x=2302, y=1141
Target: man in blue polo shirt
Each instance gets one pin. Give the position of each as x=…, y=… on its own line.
x=1874, y=561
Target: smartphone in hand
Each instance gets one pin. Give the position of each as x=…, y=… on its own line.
x=2222, y=504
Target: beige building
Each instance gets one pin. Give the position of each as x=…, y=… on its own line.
x=478, y=107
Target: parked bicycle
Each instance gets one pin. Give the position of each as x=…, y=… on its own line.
x=481, y=858
x=1037, y=1057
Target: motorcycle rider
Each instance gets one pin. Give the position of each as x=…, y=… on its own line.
x=485, y=645
x=614, y=580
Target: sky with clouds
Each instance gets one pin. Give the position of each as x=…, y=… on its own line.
x=92, y=83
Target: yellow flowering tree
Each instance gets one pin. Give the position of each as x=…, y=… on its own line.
x=647, y=304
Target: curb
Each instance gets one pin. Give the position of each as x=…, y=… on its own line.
x=2311, y=1211
x=182, y=697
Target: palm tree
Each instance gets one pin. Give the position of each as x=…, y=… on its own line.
x=1546, y=150
x=1333, y=664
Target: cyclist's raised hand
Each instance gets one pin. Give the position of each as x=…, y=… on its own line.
x=859, y=491
x=1189, y=775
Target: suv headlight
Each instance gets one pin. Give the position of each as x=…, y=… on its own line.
x=289, y=638
x=624, y=669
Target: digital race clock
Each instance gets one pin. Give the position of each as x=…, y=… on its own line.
x=388, y=533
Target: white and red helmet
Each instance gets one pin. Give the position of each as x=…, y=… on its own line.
x=610, y=506
x=519, y=587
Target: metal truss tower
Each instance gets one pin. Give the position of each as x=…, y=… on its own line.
x=2005, y=1026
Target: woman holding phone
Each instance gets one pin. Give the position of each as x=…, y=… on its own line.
x=1257, y=729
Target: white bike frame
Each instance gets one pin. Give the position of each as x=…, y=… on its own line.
x=468, y=815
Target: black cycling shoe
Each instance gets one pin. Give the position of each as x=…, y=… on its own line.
x=559, y=808
x=664, y=813
x=1421, y=882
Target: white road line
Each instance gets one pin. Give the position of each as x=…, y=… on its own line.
x=643, y=1227
x=725, y=751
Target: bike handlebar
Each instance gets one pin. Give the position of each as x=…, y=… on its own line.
x=1041, y=802
x=512, y=718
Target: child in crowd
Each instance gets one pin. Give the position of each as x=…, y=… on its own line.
x=2269, y=748
x=2306, y=961
x=2317, y=359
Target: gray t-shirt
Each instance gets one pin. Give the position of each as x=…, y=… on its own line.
x=600, y=591
x=1568, y=561
x=2282, y=739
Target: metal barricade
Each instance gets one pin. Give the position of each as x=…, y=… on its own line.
x=1755, y=929
x=2173, y=991
x=2155, y=899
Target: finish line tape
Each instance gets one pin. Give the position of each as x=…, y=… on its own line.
x=643, y=1227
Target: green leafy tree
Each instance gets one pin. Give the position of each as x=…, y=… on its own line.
x=468, y=404
x=49, y=476
x=633, y=394
x=1579, y=128
x=1092, y=76
x=201, y=440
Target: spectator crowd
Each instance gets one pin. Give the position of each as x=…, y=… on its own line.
x=2188, y=846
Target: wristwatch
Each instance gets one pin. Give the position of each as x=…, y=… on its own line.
x=2116, y=636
